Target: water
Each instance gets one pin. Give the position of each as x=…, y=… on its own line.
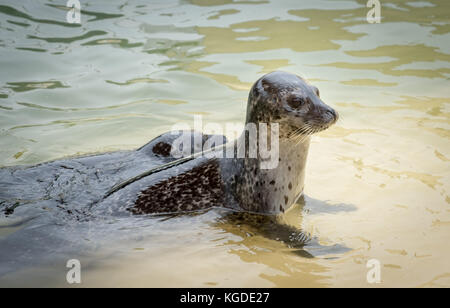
x=376, y=184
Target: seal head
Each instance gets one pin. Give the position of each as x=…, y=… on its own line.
x=290, y=101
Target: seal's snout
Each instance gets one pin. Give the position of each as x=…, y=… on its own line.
x=332, y=115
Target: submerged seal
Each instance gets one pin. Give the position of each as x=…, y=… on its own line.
x=239, y=183
x=74, y=186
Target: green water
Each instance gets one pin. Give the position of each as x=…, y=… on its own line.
x=133, y=69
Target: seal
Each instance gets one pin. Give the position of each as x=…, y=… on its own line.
x=197, y=183
x=151, y=180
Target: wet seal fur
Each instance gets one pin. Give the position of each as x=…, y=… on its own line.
x=240, y=183
x=74, y=186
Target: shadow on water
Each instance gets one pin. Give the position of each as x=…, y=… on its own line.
x=255, y=229
x=258, y=231
x=315, y=206
x=285, y=229
x=291, y=256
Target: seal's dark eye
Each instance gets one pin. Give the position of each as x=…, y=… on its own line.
x=295, y=102
x=266, y=86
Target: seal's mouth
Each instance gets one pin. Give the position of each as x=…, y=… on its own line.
x=321, y=120
x=315, y=125
x=311, y=129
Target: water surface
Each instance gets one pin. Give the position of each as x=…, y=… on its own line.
x=376, y=183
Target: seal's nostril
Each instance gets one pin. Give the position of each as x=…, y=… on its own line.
x=332, y=113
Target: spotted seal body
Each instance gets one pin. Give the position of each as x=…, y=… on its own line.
x=199, y=188
x=241, y=183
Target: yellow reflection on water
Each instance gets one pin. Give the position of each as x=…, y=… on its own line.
x=404, y=55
